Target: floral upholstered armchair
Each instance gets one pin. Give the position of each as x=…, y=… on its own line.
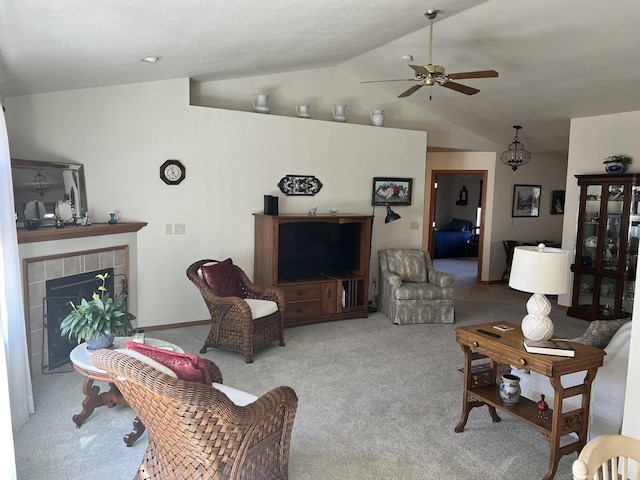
x=411, y=291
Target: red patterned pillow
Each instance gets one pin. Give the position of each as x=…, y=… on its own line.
x=188, y=367
x=223, y=279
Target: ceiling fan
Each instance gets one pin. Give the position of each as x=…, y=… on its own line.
x=435, y=74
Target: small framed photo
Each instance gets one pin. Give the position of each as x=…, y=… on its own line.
x=392, y=191
x=526, y=201
x=557, y=202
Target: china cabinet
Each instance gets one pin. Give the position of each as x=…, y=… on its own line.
x=606, y=251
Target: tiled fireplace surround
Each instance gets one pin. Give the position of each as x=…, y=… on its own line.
x=47, y=259
x=41, y=269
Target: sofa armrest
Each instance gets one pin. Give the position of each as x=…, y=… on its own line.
x=440, y=279
x=393, y=279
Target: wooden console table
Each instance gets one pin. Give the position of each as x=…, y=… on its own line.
x=481, y=388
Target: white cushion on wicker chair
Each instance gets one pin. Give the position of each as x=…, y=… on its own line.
x=238, y=397
x=261, y=308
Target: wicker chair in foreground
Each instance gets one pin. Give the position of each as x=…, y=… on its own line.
x=243, y=322
x=196, y=432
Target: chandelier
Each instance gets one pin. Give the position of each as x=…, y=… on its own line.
x=515, y=155
x=40, y=184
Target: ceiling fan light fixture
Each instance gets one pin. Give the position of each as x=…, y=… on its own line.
x=515, y=155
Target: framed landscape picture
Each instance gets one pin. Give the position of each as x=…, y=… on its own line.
x=391, y=190
x=526, y=201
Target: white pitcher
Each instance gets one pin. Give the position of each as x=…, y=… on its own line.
x=377, y=117
x=259, y=101
x=303, y=111
x=338, y=113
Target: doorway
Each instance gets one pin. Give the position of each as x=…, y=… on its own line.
x=456, y=218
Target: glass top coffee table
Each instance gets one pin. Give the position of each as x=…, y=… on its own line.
x=80, y=357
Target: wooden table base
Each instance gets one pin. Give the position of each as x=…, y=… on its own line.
x=94, y=399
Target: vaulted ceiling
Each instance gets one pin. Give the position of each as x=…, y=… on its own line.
x=556, y=60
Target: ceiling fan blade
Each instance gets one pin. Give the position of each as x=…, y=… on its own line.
x=394, y=80
x=460, y=88
x=478, y=74
x=420, y=70
x=411, y=91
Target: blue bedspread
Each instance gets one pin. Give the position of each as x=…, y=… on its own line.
x=448, y=244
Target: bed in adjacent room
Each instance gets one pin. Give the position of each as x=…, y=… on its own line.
x=452, y=242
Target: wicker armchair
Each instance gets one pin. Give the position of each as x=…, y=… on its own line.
x=232, y=325
x=196, y=432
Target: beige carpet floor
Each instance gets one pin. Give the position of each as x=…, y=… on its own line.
x=377, y=401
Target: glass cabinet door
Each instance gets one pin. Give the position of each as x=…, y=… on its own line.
x=611, y=244
x=585, y=293
x=591, y=219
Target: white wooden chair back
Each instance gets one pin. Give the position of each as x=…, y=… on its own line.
x=608, y=457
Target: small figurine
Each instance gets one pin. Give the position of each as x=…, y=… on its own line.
x=86, y=220
x=542, y=408
x=312, y=212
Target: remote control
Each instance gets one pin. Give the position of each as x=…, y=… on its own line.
x=491, y=334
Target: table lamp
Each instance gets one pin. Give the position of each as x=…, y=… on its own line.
x=542, y=271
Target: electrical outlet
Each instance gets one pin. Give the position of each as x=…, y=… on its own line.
x=179, y=228
x=414, y=225
x=168, y=229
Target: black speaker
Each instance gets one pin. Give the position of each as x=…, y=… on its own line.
x=270, y=205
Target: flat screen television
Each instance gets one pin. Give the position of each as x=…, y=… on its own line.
x=309, y=249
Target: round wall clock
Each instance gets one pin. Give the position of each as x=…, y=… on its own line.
x=172, y=172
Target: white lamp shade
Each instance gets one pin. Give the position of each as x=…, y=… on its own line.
x=540, y=270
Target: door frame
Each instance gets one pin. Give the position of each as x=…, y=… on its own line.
x=430, y=190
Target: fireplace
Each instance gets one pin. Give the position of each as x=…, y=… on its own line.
x=39, y=271
x=59, y=292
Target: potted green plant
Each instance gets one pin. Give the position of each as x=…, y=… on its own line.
x=617, y=163
x=99, y=320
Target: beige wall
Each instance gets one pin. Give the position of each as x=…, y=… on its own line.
x=321, y=88
x=547, y=171
x=591, y=140
x=123, y=134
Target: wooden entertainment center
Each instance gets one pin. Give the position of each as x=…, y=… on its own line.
x=320, y=296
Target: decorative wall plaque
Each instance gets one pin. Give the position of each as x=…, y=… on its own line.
x=299, y=185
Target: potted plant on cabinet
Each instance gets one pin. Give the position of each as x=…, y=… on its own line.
x=98, y=320
x=617, y=163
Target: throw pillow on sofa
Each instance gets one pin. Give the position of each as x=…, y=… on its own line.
x=600, y=332
x=186, y=366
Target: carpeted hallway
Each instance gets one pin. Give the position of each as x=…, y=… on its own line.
x=376, y=401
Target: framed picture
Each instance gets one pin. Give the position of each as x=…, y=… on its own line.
x=557, y=202
x=391, y=190
x=526, y=201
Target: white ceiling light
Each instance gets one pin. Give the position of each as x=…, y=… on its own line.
x=407, y=57
x=151, y=59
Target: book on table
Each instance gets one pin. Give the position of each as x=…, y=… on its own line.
x=555, y=346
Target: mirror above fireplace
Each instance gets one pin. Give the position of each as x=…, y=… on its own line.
x=39, y=186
